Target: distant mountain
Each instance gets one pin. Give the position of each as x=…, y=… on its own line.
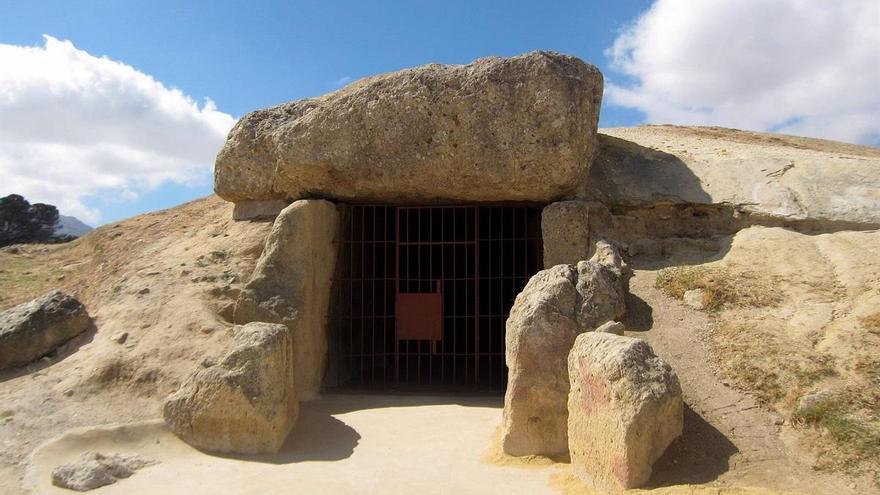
x=71, y=226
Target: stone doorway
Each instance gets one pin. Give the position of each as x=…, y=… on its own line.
x=422, y=293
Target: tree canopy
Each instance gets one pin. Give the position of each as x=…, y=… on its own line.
x=22, y=222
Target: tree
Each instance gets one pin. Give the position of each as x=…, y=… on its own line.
x=22, y=222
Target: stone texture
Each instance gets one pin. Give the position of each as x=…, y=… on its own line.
x=556, y=306
x=94, y=470
x=566, y=233
x=624, y=409
x=246, y=403
x=695, y=298
x=612, y=327
x=36, y=328
x=291, y=285
x=771, y=176
x=257, y=210
x=520, y=128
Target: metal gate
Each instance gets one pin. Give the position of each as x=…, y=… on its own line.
x=422, y=294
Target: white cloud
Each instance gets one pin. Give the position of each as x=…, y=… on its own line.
x=342, y=81
x=74, y=125
x=792, y=66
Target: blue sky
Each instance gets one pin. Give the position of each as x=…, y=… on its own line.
x=248, y=55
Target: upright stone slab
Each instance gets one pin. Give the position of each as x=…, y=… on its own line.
x=246, y=403
x=624, y=409
x=556, y=305
x=497, y=129
x=540, y=331
x=565, y=232
x=291, y=285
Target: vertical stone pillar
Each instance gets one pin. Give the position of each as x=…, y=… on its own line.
x=566, y=231
x=291, y=285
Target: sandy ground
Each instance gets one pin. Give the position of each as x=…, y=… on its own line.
x=342, y=444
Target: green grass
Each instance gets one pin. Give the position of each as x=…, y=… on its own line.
x=22, y=279
x=857, y=440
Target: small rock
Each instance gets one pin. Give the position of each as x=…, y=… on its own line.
x=694, y=298
x=811, y=401
x=145, y=290
x=614, y=327
x=94, y=470
x=120, y=337
x=36, y=328
x=68, y=392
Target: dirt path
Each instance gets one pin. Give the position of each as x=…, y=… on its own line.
x=729, y=439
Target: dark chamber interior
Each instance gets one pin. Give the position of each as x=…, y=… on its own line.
x=422, y=294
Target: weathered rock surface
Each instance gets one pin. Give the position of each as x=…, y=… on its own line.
x=94, y=470
x=624, y=409
x=695, y=298
x=565, y=232
x=520, y=128
x=34, y=329
x=556, y=305
x=768, y=175
x=246, y=403
x=291, y=285
x=612, y=327
x=257, y=210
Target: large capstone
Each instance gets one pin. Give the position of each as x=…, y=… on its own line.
x=521, y=128
x=556, y=306
x=33, y=329
x=246, y=403
x=624, y=409
x=291, y=285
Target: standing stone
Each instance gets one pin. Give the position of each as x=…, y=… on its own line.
x=36, y=328
x=291, y=285
x=497, y=129
x=565, y=232
x=540, y=329
x=246, y=403
x=556, y=305
x=624, y=409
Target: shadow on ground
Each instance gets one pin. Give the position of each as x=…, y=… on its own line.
x=639, y=314
x=700, y=455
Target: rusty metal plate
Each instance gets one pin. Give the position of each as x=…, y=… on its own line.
x=420, y=316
